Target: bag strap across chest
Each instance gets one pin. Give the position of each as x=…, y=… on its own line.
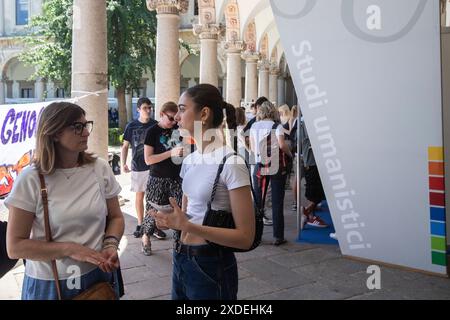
x=48, y=232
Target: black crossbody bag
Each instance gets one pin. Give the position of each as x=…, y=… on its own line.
x=224, y=219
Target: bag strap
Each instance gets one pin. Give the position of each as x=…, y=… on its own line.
x=219, y=172
x=216, y=181
x=48, y=232
x=269, y=141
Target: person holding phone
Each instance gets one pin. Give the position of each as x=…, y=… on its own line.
x=162, y=152
x=202, y=271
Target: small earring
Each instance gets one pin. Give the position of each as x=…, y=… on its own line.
x=203, y=122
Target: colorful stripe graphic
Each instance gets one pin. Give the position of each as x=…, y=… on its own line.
x=437, y=205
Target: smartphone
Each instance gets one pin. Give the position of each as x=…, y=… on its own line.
x=166, y=208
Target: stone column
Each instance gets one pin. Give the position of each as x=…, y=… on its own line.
x=90, y=68
x=444, y=11
x=167, y=75
x=209, y=35
x=273, y=85
x=281, y=91
x=50, y=90
x=144, y=87
x=192, y=82
x=251, y=75
x=16, y=90
x=224, y=87
x=2, y=18
x=263, y=88
x=129, y=105
x=2, y=91
x=234, y=74
x=40, y=88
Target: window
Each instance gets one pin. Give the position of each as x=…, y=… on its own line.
x=26, y=93
x=196, y=8
x=60, y=93
x=21, y=12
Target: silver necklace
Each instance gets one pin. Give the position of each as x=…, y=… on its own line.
x=71, y=174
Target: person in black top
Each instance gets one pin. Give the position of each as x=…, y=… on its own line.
x=134, y=135
x=163, y=152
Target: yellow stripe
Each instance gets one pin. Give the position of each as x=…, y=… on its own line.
x=436, y=154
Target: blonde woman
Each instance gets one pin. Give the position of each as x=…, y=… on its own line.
x=285, y=113
x=271, y=164
x=85, y=218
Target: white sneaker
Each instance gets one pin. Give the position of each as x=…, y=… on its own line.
x=267, y=222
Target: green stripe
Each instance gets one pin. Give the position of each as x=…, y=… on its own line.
x=439, y=258
x=438, y=244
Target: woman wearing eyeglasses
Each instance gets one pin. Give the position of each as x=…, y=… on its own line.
x=163, y=152
x=85, y=219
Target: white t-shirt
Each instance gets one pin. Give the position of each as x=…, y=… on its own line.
x=240, y=135
x=199, y=172
x=258, y=134
x=77, y=211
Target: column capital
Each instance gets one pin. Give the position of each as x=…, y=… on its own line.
x=234, y=46
x=264, y=65
x=168, y=6
x=274, y=69
x=208, y=31
x=251, y=56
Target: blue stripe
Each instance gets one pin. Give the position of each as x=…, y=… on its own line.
x=437, y=214
x=438, y=229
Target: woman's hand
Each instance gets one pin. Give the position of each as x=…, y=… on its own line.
x=112, y=260
x=177, y=152
x=152, y=213
x=176, y=220
x=85, y=254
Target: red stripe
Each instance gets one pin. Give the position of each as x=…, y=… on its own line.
x=437, y=183
x=437, y=199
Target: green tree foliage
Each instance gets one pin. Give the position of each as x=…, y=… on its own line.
x=131, y=45
x=49, y=42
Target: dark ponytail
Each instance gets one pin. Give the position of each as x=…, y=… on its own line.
x=230, y=112
x=206, y=95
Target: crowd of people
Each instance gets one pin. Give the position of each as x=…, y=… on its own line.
x=173, y=169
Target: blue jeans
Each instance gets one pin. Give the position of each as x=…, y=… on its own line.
x=36, y=289
x=204, y=277
x=278, y=185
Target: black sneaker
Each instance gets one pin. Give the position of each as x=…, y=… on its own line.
x=137, y=232
x=159, y=234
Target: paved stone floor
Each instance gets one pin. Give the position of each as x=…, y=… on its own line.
x=290, y=272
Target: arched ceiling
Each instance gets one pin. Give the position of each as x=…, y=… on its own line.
x=259, y=11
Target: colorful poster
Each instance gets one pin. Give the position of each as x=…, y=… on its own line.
x=368, y=77
x=18, y=125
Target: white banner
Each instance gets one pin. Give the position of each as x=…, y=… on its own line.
x=18, y=126
x=368, y=77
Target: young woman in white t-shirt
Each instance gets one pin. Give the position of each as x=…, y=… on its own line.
x=85, y=219
x=201, y=271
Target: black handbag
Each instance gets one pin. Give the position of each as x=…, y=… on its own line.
x=6, y=264
x=224, y=219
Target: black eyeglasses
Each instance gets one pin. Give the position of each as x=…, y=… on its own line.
x=79, y=127
x=171, y=119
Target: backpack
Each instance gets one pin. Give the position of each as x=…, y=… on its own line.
x=273, y=159
x=224, y=219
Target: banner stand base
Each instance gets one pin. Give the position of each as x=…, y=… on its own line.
x=396, y=266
